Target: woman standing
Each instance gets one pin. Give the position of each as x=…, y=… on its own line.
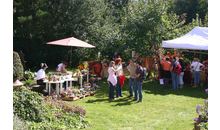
x=166, y=70
x=112, y=80
x=119, y=70
x=182, y=72
x=196, y=68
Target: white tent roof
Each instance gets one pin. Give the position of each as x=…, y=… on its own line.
x=196, y=39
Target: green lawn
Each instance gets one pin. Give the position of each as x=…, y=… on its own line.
x=161, y=109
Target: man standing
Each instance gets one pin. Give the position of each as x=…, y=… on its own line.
x=139, y=82
x=115, y=56
x=132, y=80
x=175, y=76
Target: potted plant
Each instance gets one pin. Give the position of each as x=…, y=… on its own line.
x=93, y=81
x=77, y=72
x=54, y=78
x=49, y=76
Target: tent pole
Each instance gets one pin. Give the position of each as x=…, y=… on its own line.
x=71, y=56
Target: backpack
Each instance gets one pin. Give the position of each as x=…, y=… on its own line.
x=177, y=68
x=144, y=73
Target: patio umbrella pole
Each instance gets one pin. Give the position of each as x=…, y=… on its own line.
x=71, y=56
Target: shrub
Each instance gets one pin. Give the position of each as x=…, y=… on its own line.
x=17, y=67
x=18, y=124
x=66, y=113
x=46, y=113
x=28, y=105
x=29, y=75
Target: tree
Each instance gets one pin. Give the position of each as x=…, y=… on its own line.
x=147, y=23
x=190, y=7
x=39, y=21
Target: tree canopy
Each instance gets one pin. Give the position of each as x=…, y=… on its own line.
x=109, y=25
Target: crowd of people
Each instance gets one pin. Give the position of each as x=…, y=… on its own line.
x=115, y=71
x=136, y=75
x=177, y=78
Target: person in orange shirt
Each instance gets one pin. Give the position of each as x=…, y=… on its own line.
x=166, y=70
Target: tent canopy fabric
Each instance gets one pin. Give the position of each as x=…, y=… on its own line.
x=71, y=42
x=196, y=39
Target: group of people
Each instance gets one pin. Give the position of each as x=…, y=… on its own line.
x=177, y=79
x=115, y=70
x=136, y=77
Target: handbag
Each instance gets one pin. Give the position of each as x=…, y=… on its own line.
x=195, y=68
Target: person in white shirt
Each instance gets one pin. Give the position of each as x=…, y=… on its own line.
x=41, y=74
x=112, y=79
x=62, y=67
x=119, y=70
x=196, y=68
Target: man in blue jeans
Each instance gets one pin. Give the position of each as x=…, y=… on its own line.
x=175, y=76
x=132, y=80
x=139, y=82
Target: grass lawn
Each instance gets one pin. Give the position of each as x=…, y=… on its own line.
x=161, y=109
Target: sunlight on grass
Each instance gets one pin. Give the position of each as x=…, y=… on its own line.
x=161, y=108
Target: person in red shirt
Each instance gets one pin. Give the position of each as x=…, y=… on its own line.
x=166, y=70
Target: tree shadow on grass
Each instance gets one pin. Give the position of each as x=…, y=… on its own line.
x=148, y=87
x=188, y=90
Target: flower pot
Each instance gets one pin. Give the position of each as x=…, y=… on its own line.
x=201, y=84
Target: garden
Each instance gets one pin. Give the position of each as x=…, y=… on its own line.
x=160, y=109
x=71, y=44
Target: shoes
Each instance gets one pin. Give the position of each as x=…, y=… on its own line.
x=139, y=101
x=122, y=96
x=112, y=98
x=130, y=96
x=134, y=100
x=117, y=97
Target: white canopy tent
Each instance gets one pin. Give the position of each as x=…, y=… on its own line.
x=196, y=39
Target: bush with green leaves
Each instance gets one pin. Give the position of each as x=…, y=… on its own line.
x=18, y=124
x=28, y=105
x=40, y=112
x=17, y=67
x=29, y=75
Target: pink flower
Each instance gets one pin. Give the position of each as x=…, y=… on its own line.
x=70, y=91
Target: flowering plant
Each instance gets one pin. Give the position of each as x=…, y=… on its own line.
x=202, y=119
x=93, y=80
x=67, y=93
x=70, y=91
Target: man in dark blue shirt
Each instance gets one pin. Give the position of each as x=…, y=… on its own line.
x=139, y=82
x=115, y=56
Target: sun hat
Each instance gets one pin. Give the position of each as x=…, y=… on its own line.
x=43, y=65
